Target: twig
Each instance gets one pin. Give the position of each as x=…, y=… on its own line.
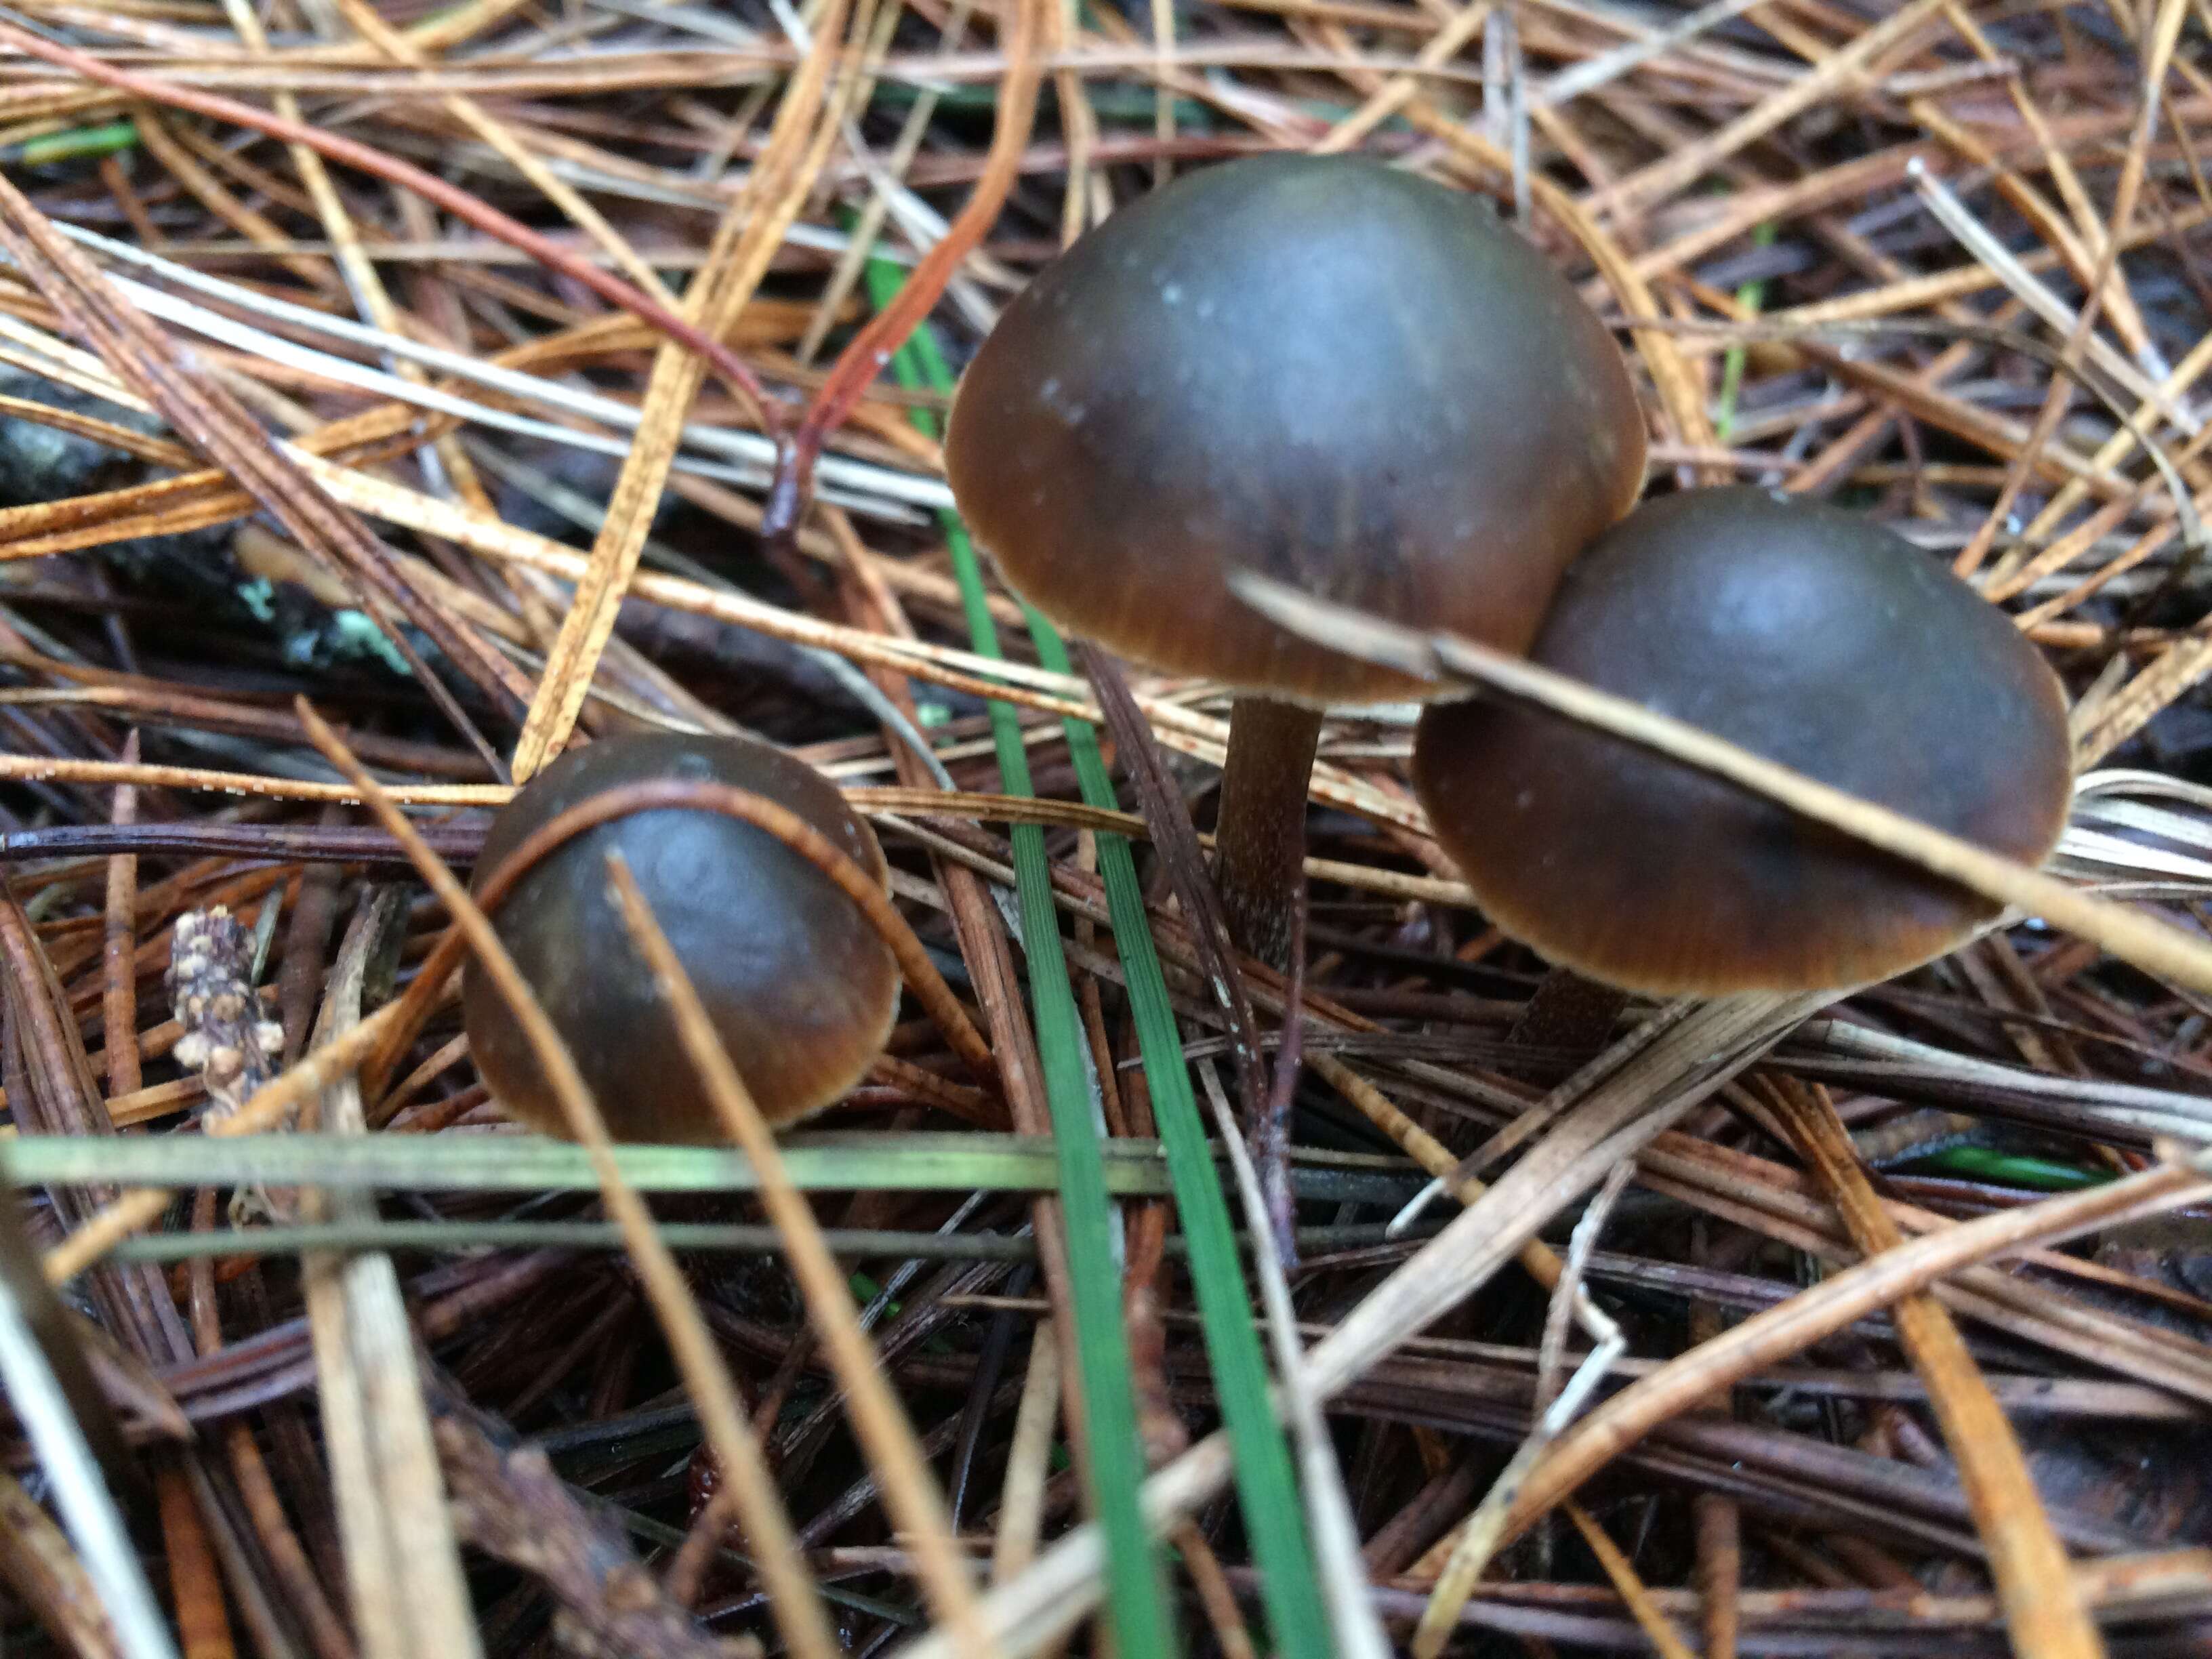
x=509, y=1502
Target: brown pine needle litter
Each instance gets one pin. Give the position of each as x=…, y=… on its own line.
x=394, y=396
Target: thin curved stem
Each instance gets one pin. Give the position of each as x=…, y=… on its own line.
x=1260, y=833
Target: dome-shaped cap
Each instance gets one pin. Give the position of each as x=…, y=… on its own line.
x=800, y=988
x=1811, y=636
x=1333, y=373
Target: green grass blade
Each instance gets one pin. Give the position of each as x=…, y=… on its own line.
x=2014, y=1169
x=1751, y=296
x=844, y=1161
x=1136, y=1597
x=72, y=145
x=816, y=1161
x=1273, y=1516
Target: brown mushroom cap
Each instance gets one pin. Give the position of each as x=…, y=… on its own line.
x=1814, y=637
x=1335, y=372
x=801, y=987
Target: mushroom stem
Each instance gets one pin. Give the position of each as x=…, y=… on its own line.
x=1569, y=1012
x=1261, y=835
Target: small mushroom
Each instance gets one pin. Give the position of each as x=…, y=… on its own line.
x=801, y=987
x=1809, y=636
x=1332, y=371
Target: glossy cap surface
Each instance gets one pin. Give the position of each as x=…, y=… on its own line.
x=1329, y=371
x=1811, y=636
x=799, y=987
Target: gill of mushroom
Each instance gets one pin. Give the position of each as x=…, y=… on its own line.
x=801, y=987
x=1331, y=372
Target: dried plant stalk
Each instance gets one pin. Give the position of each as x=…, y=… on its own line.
x=402, y=1560
x=2042, y=1605
x=910, y=1492
x=794, y=1597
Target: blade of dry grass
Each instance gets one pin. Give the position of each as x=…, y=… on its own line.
x=1021, y=1492
x=403, y=1563
x=1185, y=730
x=221, y=429
x=195, y=1576
x=1627, y=1098
x=1055, y=1591
x=1395, y=94
x=1355, y=1631
x=2082, y=122
x=57, y=1411
x=1879, y=1282
x=746, y=239
x=48, y=1578
x=158, y=451
x=1688, y=163
x=910, y=1490
x=395, y=46
x=752, y=452
x=1666, y=1640
x=1479, y=1539
x=862, y=360
x=1540, y=1261
x=163, y=146
x=2043, y=1608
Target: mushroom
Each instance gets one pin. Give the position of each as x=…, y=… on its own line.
x=1811, y=636
x=1326, y=370
x=801, y=989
